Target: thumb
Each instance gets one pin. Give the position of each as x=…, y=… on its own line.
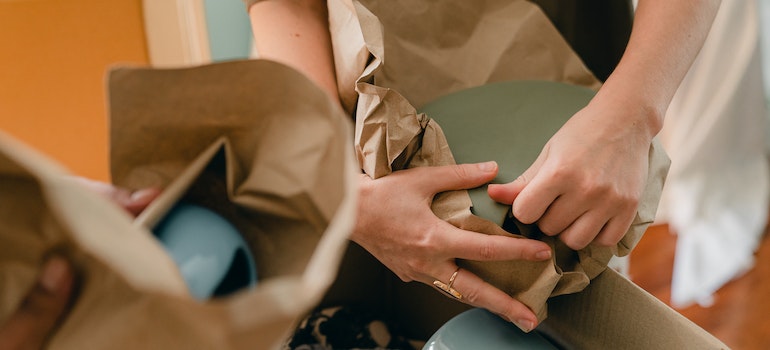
x=39, y=313
x=507, y=193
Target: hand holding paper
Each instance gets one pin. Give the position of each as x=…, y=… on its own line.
x=39, y=314
x=133, y=202
x=425, y=249
x=47, y=301
x=586, y=183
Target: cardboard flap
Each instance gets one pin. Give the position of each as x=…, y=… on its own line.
x=177, y=188
x=614, y=313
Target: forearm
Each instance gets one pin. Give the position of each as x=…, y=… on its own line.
x=296, y=33
x=666, y=38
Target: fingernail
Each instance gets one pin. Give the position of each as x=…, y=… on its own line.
x=488, y=166
x=143, y=194
x=525, y=325
x=54, y=274
x=543, y=254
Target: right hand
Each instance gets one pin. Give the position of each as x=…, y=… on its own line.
x=395, y=223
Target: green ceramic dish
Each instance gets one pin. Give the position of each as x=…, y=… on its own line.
x=508, y=122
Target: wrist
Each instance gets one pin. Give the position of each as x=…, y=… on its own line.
x=639, y=112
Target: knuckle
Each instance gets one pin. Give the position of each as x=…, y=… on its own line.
x=417, y=265
x=575, y=242
x=488, y=251
x=524, y=216
x=609, y=238
x=548, y=228
x=605, y=241
x=630, y=202
x=429, y=239
x=592, y=189
x=461, y=171
x=404, y=278
x=510, y=312
x=472, y=295
x=560, y=173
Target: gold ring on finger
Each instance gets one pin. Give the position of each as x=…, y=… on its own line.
x=447, y=288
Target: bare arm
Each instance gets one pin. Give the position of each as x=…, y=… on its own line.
x=395, y=222
x=587, y=181
x=296, y=33
x=666, y=37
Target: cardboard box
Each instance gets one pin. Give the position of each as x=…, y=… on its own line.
x=611, y=313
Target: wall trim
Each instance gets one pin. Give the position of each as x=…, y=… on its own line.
x=176, y=32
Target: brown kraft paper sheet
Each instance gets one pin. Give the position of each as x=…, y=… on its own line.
x=421, y=50
x=257, y=139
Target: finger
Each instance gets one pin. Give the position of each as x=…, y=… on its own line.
x=506, y=193
x=537, y=192
x=477, y=292
x=560, y=215
x=133, y=202
x=534, y=200
x=455, y=177
x=37, y=316
x=583, y=231
x=614, y=230
x=139, y=200
x=481, y=247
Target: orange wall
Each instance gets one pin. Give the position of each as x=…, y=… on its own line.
x=53, y=59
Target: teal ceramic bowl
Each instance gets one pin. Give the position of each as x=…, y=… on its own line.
x=480, y=329
x=210, y=252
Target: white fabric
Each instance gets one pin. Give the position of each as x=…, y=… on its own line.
x=716, y=194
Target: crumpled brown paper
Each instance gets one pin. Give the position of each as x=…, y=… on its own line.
x=421, y=50
x=254, y=141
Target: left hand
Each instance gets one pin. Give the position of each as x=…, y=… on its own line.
x=41, y=311
x=47, y=302
x=586, y=183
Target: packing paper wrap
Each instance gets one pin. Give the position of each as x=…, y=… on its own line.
x=421, y=50
x=254, y=141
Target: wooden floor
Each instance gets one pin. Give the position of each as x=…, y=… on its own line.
x=740, y=316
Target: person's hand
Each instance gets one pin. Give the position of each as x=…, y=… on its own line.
x=133, y=202
x=586, y=183
x=41, y=310
x=396, y=225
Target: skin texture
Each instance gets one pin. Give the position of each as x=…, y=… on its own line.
x=584, y=187
x=586, y=184
x=42, y=308
x=428, y=251
x=48, y=301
